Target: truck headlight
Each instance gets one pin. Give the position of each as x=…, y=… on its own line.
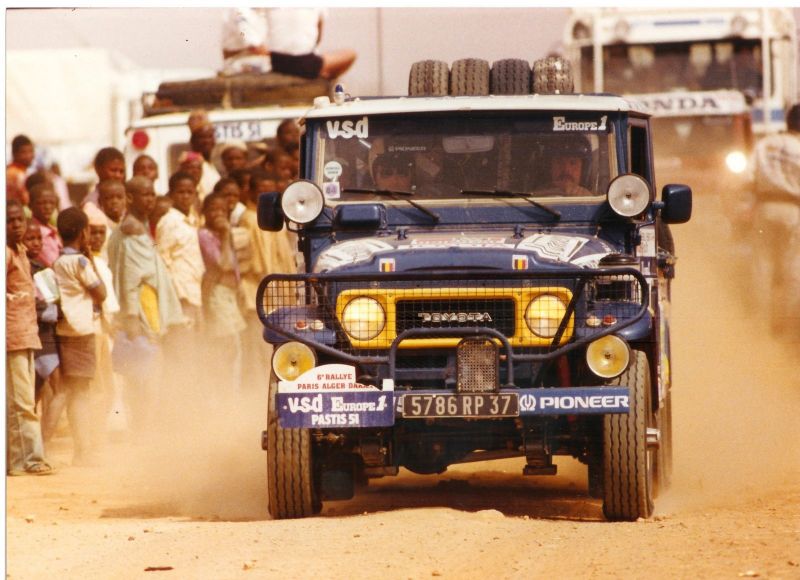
x=736, y=161
x=363, y=318
x=608, y=357
x=628, y=195
x=292, y=359
x=302, y=202
x=544, y=315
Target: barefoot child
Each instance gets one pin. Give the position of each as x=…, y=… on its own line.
x=45, y=361
x=223, y=319
x=82, y=294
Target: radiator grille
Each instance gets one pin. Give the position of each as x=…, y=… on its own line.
x=497, y=314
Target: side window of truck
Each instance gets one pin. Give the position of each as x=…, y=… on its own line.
x=639, y=151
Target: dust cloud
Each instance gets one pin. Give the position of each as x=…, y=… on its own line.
x=199, y=456
x=736, y=399
x=736, y=388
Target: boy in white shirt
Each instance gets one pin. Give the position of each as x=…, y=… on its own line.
x=82, y=294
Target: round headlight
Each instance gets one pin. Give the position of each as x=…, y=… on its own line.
x=736, y=161
x=628, y=195
x=302, y=202
x=608, y=357
x=292, y=359
x=544, y=315
x=363, y=318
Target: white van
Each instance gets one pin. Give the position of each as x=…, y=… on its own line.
x=164, y=137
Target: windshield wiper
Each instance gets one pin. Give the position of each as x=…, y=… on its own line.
x=394, y=194
x=506, y=193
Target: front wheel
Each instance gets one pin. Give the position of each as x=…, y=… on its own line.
x=628, y=463
x=291, y=485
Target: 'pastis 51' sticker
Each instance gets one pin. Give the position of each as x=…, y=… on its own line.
x=330, y=396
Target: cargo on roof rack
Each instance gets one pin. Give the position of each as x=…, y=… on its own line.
x=231, y=92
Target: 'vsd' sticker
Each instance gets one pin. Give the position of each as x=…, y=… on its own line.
x=520, y=262
x=386, y=264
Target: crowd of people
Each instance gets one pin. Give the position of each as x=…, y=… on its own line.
x=113, y=295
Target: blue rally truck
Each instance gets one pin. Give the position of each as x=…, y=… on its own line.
x=487, y=275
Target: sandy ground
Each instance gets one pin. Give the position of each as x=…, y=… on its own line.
x=189, y=503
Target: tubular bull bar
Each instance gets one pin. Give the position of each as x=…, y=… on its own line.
x=307, y=308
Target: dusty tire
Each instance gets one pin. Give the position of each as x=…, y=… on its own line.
x=552, y=75
x=428, y=78
x=627, y=462
x=510, y=76
x=290, y=471
x=469, y=77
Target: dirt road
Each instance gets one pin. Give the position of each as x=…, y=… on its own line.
x=190, y=502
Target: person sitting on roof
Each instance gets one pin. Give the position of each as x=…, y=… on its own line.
x=294, y=35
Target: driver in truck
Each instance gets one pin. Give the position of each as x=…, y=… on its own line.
x=570, y=161
x=392, y=171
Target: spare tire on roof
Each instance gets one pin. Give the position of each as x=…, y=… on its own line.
x=552, y=76
x=428, y=78
x=469, y=76
x=510, y=76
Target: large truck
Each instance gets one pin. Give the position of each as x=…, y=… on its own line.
x=715, y=79
x=652, y=50
x=487, y=275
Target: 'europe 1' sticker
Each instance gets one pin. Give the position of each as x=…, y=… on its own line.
x=561, y=124
x=332, y=190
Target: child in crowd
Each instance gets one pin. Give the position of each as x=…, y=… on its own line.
x=234, y=156
x=22, y=157
x=229, y=188
x=178, y=245
x=112, y=201
x=24, y=449
x=162, y=206
x=45, y=361
x=223, y=319
x=109, y=163
x=82, y=294
x=146, y=166
x=104, y=387
x=43, y=205
x=148, y=302
x=256, y=351
x=241, y=238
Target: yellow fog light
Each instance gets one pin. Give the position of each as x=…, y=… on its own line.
x=544, y=315
x=292, y=359
x=363, y=318
x=608, y=357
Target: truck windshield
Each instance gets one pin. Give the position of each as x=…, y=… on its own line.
x=698, y=65
x=449, y=156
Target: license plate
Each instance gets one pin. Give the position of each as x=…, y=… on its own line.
x=425, y=406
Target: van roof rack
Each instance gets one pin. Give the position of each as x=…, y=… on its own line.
x=233, y=92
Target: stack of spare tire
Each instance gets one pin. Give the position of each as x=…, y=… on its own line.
x=474, y=77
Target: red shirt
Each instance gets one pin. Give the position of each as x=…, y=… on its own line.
x=22, y=331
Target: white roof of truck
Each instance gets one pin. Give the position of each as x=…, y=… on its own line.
x=553, y=103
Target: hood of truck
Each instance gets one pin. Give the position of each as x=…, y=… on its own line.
x=486, y=249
